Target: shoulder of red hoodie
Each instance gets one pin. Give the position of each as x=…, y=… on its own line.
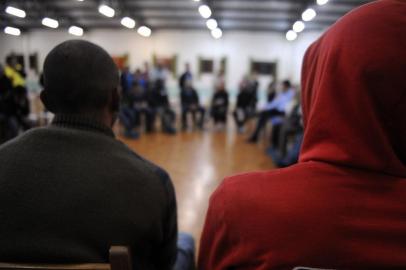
x=310, y=214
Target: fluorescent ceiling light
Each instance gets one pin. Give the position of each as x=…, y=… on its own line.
x=128, y=22
x=205, y=11
x=50, y=22
x=211, y=24
x=15, y=12
x=217, y=33
x=298, y=26
x=106, y=11
x=291, y=35
x=309, y=14
x=76, y=31
x=12, y=31
x=144, y=31
x=322, y=2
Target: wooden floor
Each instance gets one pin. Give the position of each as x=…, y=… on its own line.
x=197, y=162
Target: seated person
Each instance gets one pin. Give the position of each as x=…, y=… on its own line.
x=219, y=106
x=126, y=80
x=343, y=206
x=135, y=105
x=71, y=190
x=6, y=108
x=186, y=76
x=158, y=101
x=190, y=104
x=290, y=127
x=245, y=106
x=277, y=107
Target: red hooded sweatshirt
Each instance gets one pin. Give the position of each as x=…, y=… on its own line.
x=343, y=206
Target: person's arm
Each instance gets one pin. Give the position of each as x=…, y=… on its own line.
x=167, y=253
x=215, y=247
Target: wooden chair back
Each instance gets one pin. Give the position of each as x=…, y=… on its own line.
x=119, y=259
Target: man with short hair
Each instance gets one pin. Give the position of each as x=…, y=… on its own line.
x=277, y=107
x=71, y=190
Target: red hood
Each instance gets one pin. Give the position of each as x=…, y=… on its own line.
x=354, y=91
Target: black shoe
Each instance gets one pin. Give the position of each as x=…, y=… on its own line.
x=252, y=140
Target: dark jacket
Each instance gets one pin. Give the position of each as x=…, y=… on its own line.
x=69, y=191
x=189, y=98
x=182, y=80
x=219, y=102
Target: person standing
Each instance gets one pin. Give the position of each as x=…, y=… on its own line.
x=186, y=76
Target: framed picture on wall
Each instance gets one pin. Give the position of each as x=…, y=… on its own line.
x=170, y=63
x=206, y=66
x=263, y=68
x=121, y=60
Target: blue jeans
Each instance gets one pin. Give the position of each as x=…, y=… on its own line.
x=186, y=253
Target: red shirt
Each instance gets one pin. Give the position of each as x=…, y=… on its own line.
x=343, y=205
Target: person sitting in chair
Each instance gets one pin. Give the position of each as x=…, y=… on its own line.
x=71, y=190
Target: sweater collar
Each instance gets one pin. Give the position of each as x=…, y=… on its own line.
x=81, y=122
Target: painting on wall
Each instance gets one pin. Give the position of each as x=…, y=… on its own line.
x=206, y=66
x=121, y=60
x=169, y=63
x=264, y=68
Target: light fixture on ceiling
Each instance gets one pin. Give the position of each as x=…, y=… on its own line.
x=291, y=35
x=298, y=26
x=144, y=31
x=107, y=11
x=322, y=2
x=196, y=0
x=76, y=31
x=50, y=22
x=211, y=24
x=128, y=22
x=216, y=33
x=309, y=14
x=12, y=31
x=205, y=11
x=15, y=11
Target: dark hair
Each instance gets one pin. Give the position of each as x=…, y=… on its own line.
x=79, y=76
x=286, y=83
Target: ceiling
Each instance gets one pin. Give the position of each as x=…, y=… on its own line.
x=237, y=15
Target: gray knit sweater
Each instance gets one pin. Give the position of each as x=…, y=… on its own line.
x=71, y=190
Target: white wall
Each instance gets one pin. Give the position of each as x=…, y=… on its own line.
x=239, y=48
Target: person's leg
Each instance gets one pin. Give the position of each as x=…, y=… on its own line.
x=186, y=253
x=128, y=119
x=150, y=119
x=167, y=121
x=194, y=112
x=184, y=117
x=275, y=135
x=284, y=133
x=125, y=118
x=292, y=155
x=262, y=119
x=202, y=112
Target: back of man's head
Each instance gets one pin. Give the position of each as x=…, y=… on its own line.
x=286, y=84
x=79, y=77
